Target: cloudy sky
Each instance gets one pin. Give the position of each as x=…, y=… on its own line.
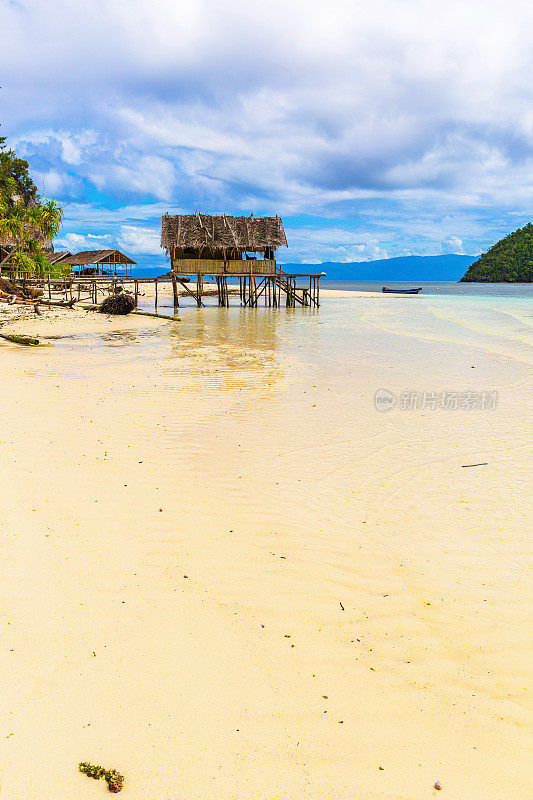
x=375, y=128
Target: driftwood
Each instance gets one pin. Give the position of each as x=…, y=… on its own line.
x=93, y=307
x=13, y=299
x=158, y=316
x=31, y=291
x=9, y=288
x=27, y=340
x=57, y=303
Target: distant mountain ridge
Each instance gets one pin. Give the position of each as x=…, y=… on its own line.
x=402, y=268
x=508, y=261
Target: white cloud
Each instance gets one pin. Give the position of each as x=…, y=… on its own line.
x=76, y=242
x=453, y=245
x=140, y=240
x=410, y=108
x=145, y=175
x=51, y=182
x=318, y=244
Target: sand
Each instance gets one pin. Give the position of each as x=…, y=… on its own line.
x=227, y=576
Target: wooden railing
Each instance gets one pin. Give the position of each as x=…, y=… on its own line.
x=207, y=266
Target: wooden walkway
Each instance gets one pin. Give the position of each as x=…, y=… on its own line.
x=272, y=290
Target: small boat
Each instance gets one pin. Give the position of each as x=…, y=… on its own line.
x=401, y=291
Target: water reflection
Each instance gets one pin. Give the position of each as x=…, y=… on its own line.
x=223, y=349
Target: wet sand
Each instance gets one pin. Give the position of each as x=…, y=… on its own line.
x=228, y=576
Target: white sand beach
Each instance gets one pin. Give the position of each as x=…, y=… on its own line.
x=228, y=576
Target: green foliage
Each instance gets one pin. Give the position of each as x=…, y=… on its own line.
x=114, y=779
x=14, y=176
x=509, y=261
x=27, y=221
x=92, y=771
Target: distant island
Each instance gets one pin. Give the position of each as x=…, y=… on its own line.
x=445, y=267
x=509, y=261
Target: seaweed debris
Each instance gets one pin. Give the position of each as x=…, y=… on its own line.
x=114, y=779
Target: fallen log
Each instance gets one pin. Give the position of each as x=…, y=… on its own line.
x=26, y=340
x=92, y=307
x=7, y=286
x=11, y=299
x=20, y=290
x=14, y=299
x=57, y=303
x=158, y=316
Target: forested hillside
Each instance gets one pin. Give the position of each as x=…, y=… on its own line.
x=509, y=261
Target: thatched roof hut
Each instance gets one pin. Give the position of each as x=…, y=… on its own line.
x=217, y=241
x=57, y=256
x=203, y=231
x=99, y=262
x=8, y=245
x=7, y=251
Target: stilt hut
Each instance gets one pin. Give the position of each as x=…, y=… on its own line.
x=99, y=263
x=201, y=244
x=242, y=248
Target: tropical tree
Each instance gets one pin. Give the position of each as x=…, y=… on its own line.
x=27, y=221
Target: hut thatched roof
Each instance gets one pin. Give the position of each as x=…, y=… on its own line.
x=9, y=243
x=52, y=258
x=218, y=232
x=97, y=257
x=57, y=256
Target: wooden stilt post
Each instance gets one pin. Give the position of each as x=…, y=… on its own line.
x=199, y=289
x=175, y=290
x=155, y=283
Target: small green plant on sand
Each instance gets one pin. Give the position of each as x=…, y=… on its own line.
x=114, y=779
